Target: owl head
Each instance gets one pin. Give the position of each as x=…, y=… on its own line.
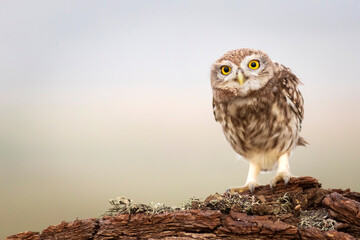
x=238, y=73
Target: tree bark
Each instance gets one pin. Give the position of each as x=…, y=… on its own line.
x=300, y=210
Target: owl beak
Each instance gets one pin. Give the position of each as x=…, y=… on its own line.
x=240, y=78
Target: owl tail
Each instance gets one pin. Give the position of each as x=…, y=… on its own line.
x=302, y=142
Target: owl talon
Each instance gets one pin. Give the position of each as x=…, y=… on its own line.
x=280, y=176
x=252, y=188
x=249, y=186
x=286, y=179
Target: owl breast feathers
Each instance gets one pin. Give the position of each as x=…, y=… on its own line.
x=258, y=105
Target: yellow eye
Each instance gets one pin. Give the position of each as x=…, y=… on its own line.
x=225, y=70
x=254, y=64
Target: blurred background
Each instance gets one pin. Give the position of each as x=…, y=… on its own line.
x=100, y=99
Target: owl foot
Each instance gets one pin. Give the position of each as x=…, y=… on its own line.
x=248, y=186
x=280, y=176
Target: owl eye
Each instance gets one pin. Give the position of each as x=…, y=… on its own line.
x=254, y=64
x=225, y=70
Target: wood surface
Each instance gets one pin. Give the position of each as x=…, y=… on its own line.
x=300, y=210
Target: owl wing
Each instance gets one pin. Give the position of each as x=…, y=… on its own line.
x=215, y=110
x=288, y=85
x=294, y=98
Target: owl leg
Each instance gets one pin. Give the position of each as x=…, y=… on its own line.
x=251, y=182
x=283, y=170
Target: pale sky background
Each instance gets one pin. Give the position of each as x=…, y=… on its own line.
x=100, y=99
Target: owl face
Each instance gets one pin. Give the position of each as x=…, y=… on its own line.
x=240, y=72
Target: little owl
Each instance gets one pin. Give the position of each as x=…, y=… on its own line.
x=260, y=109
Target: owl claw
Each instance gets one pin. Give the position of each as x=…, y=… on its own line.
x=252, y=188
x=248, y=186
x=272, y=185
x=280, y=176
x=229, y=191
x=286, y=179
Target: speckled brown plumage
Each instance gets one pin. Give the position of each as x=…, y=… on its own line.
x=261, y=118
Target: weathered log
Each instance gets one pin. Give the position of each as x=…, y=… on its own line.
x=345, y=210
x=300, y=210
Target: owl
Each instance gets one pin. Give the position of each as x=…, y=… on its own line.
x=260, y=109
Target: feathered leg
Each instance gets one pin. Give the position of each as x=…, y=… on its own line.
x=283, y=170
x=251, y=182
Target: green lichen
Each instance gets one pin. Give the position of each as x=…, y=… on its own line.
x=316, y=218
x=285, y=203
x=122, y=205
x=191, y=203
x=236, y=202
x=224, y=203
